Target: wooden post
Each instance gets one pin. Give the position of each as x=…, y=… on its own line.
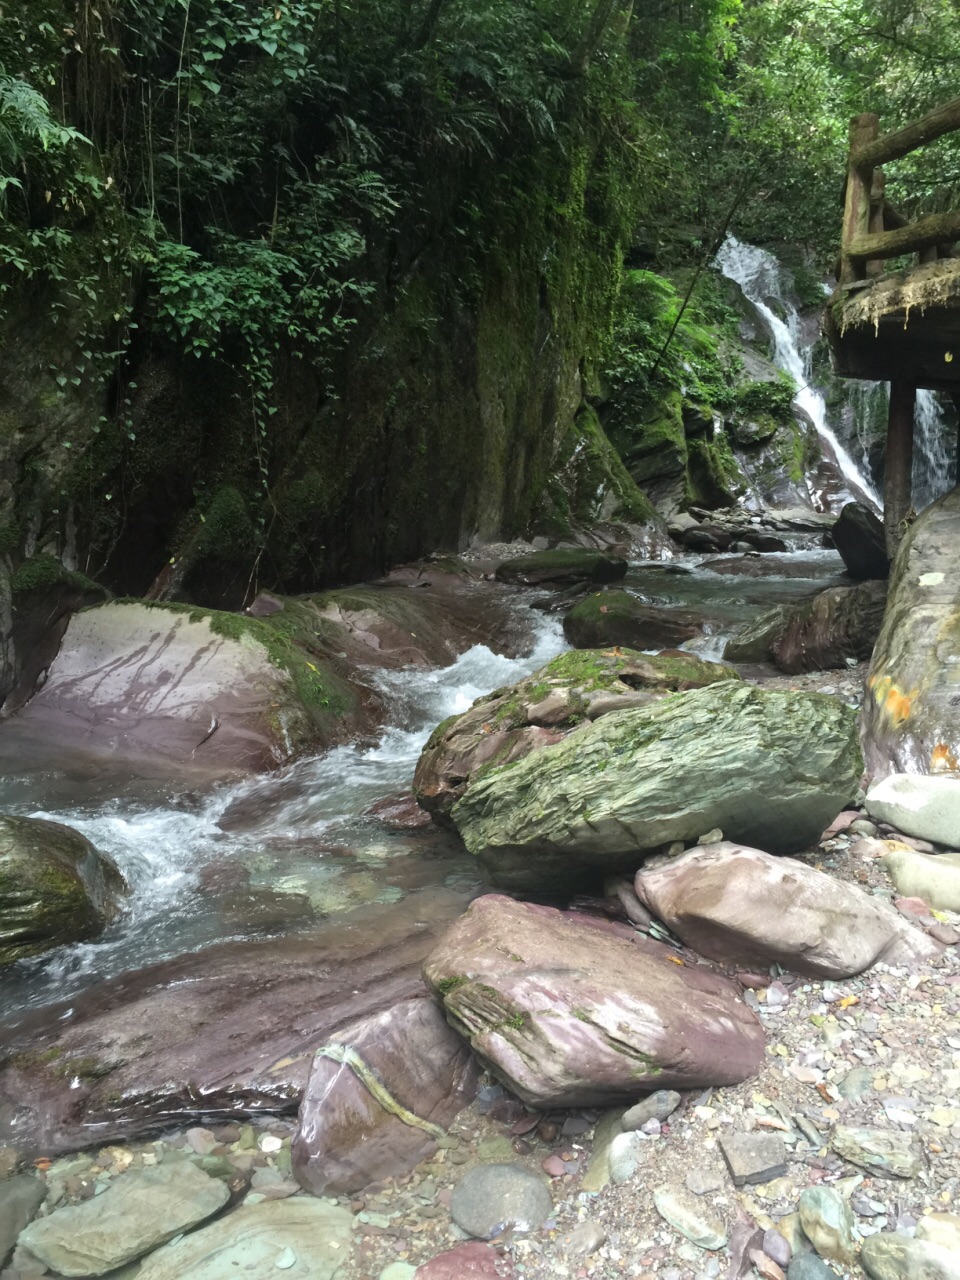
x=856, y=212
x=897, y=488
x=877, y=189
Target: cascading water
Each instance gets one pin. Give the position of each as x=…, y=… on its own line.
x=763, y=279
x=933, y=466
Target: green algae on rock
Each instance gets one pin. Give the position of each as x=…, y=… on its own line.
x=55, y=887
x=770, y=768
x=618, y=618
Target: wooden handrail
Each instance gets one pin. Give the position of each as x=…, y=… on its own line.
x=891, y=146
x=925, y=233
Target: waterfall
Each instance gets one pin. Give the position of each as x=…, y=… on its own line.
x=764, y=281
x=932, y=463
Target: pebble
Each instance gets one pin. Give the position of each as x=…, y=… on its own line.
x=494, y=1197
x=625, y=1154
x=685, y=1213
x=585, y=1239
x=659, y=1106
x=703, y=1181
x=807, y=1266
x=776, y=1247
x=828, y=1222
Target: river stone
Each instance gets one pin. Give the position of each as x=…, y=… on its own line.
x=470, y=1261
x=889, y=1256
x=687, y=1215
x=139, y=1211
x=768, y=767
x=839, y=625
x=20, y=1198
x=942, y=1229
x=742, y=906
x=933, y=877
x=807, y=1266
x=659, y=1106
x=754, y=641
x=510, y=723
x=597, y=1175
x=909, y=717
x=494, y=1197
x=236, y=1023
x=626, y=1151
x=858, y=536
x=347, y=1137
x=618, y=618
x=55, y=887
x=880, y=1150
x=828, y=1223
x=570, y=1010
x=918, y=805
x=301, y=1237
x=754, y=1157
x=562, y=567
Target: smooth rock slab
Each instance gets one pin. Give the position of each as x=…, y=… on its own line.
x=770, y=768
x=348, y=1135
x=880, y=1150
x=688, y=1215
x=754, y=1157
x=828, y=1223
x=934, y=877
x=742, y=906
x=889, y=1256
x=570, y=1010
x=921, y=805
x=494, y=1197
x=257, y=1243
x=470, y=1261
x=138, y=1212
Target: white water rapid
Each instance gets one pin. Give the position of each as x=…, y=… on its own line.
x=300, y=832
x=764, y=281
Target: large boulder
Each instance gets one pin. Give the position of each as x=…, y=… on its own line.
x=562, y=566
x=839, y=625
x=770, y=768
x=55, y=887
x=910, y=721
x=858, y=536
x=379, y=1097
x=933, y=877
x=618, y=618
x=918, y=805
x=568, y=1010
x=228, y=1030
x=575, y=687
x=742, y=906
x=754, y=641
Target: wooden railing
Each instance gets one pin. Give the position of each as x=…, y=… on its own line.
x=873, y=230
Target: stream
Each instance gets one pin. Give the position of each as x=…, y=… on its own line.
x=283, y=852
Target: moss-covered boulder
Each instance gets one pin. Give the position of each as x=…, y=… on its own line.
x=55, y=887
x=618, y=618
x=910, y=720
x=770, y=768
x=754, y=641
x=562, y=566
x=573, y=689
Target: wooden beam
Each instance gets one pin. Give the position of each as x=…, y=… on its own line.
x=898, y=464
x=878, y=189
x=856, y=210
x=925, y=233
x=871, y=152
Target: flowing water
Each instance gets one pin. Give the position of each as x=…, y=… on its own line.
x=766, y=284
x=934, y=468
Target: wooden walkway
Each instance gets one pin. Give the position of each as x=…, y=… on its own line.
x=900, y=326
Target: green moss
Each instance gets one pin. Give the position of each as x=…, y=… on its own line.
x=446, y=985
x=39, y=573
x=515, y=1023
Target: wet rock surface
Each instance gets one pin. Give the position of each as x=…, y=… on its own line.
x=619, y=618
x=561, y=566
x=55, y=887
x=837, y=627
x=575, y=1011
x=767, y=768
x=858, y=536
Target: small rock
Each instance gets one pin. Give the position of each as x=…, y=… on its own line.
x=597, y=1175
x=807, y=1266
x=944, y=933
x=625, y=1151
x=20, y=1198
x=712, y=837
x=492, y=1197
x=472, y=1261
x=703, y=1181
x=585, y=1239
x=856, y=1083
x=776, y=1247
x=683, y=1212
x=398, y=1271
x=202, y=1141
x=553, y=1166
x=659, y=1106
x=942, y=1229
x=885, y=1150
x=863, y=827
x=890, y=1256
x=828, y=1222
x=754, y=1157
x=767, y=1268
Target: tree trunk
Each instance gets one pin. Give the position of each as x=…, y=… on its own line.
x=897, y=488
